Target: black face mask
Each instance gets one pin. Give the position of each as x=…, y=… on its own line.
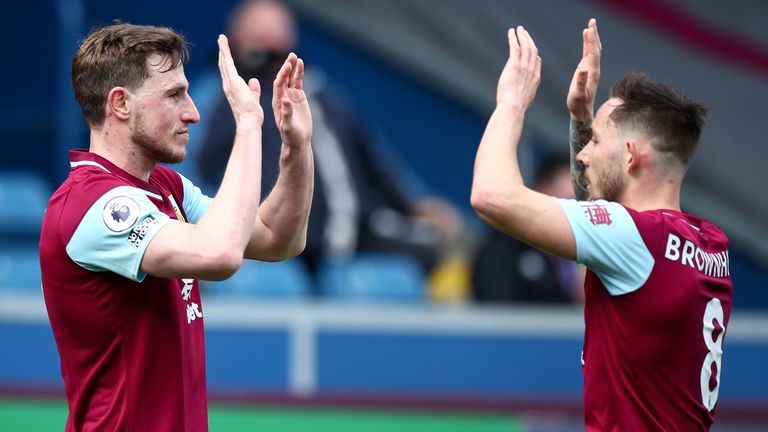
x=260, y=64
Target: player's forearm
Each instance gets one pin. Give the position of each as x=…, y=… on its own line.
x=229, y=221
x=497, y=181
x=580, y=134
x=281, y=222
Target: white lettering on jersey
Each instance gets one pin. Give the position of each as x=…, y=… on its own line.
x=193, y=312
x=673, y=248
x=186, y=290
x=711, y=264
x=687, y=253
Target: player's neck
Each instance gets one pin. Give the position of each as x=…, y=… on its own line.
x=119, y=149
x=652, y=196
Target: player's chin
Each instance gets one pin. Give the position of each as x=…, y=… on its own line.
x=176, y=154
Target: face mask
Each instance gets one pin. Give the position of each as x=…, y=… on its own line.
x=259, y=63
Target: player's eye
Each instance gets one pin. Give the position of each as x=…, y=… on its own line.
x=175, y=94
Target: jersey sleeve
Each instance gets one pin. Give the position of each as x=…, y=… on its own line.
x=609, y=243
x=115, y=231
x=196, y=203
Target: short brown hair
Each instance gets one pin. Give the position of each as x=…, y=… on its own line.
x=116, y=55
x=672, y=120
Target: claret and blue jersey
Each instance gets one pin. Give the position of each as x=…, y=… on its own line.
x=658, y=299
x=131, y=344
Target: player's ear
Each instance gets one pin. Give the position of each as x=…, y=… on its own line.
x=117, y=103
x=632, y=155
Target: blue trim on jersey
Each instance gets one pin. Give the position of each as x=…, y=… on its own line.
x=196, y=203
x=615, y=251
x=117, y=244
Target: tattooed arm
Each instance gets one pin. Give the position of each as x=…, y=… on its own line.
x=581, y=102
x=580, y=134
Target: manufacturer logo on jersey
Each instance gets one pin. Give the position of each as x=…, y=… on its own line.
x=120, y=213
x=598, y=214
x=140, y=231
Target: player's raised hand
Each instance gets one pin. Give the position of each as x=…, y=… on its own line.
x=289, y=103
x=243, y=98
x=522, y=74
x=581, y=94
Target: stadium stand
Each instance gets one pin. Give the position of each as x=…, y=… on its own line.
x=257, y=279
x=374, y=277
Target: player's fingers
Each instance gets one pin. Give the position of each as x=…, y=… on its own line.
x=294, y=70
x=291, y=60
x=255, y=86
x=593, y=24
x=225, y=80
x=299, y=74
x=537, y=71
x=514, y=44
x=534, y=49
x=525, y=45
x=283, y=76
x=594, y=47
x=278, y=87
x=226, y=56
x=584, y=43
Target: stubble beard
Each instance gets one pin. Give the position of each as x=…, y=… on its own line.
x=159, y=151
x=609, y=184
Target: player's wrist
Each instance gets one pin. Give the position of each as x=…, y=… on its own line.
x=581, y=116
x=511, y=107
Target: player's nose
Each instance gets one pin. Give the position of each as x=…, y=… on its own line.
x=582, y=157
x=190, y=113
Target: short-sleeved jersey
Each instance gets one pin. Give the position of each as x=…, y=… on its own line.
x=131, y=345
x=658, y=299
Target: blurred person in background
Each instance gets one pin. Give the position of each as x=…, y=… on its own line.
x=125, y=240
x=505, y=269
x=365, y=200
x=658, y=290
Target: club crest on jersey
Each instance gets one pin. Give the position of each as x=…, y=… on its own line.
x=120, y=213
x=598, y=214
x=176, y=209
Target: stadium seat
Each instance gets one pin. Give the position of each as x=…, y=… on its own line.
x=278, y=280
x=373, y=277
x=20, y=269
x=24, y=196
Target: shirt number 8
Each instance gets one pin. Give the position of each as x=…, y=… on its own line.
x=713, y=331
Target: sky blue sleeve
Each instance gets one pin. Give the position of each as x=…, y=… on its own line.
x=114, y=233
x=195, y=203
x=609, y=243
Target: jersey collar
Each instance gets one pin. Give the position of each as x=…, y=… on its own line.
x=83, y=158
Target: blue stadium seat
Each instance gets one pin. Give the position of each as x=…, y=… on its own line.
x=20, y=269
x=281, y=280
x=23, y=198
x=373, y=277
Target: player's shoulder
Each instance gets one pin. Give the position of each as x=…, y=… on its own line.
x=662, y=222
x=663, y=219
x=87, y=187
x=84, y=186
